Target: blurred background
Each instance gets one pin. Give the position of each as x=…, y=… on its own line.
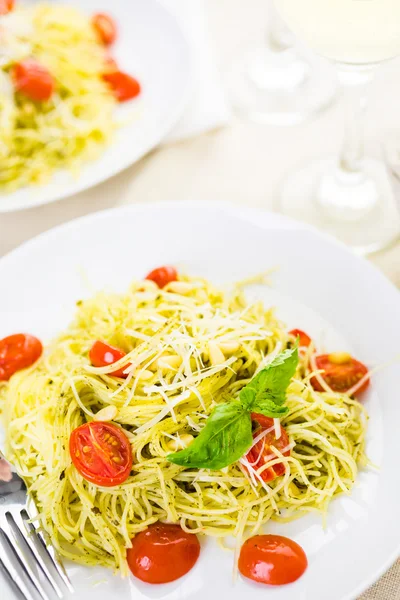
x=238, y=160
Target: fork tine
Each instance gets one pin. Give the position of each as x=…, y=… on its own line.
x=18, y=553
x=29, y=534
x=57, y=562
x=11, y=575
x=48, y=548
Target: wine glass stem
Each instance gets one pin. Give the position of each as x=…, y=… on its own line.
x=279, y=38
x=355, y=90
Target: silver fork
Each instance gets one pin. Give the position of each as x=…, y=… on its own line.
x=23, y=549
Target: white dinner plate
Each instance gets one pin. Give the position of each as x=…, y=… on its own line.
x=152, y=47
x=340, y=299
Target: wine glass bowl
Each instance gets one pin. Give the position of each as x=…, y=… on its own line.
x=356, y=32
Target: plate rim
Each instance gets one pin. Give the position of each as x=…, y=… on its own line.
x=242, y=213
x=238, y=211
x=153, y=142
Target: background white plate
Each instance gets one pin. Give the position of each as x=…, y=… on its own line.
x=152, y=47
x=340, y=299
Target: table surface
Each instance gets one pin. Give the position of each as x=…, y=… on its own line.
x=242, y=163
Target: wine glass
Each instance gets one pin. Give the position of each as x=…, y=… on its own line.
x=350, y=196
x=279, y=83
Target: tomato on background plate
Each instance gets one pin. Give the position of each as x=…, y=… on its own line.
x=261, y=452
x=272, y=559
x=304, y=339
x=6, y=6
x=124, y=86
x=105, y=27
x=101, y=452
x=17, y=352
x=33, y=80
x=341, y=372
x=163, y=553
x=102, y=354
x=163, y=275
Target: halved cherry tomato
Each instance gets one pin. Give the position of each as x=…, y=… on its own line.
x=33, y=80
x=101, y=453
x=105, y=27
x=304, y=339
x=18, y=352
x=124, y=86
x=341, y=372
x=272, y=559
x=6, y=6
x=102, y=354
x=261, y=453
x=163, y=275
x=162, y=553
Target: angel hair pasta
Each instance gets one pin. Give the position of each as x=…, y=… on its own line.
x=185, y=349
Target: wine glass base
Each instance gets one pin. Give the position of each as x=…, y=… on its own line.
x=373, y=221
x=279, y=87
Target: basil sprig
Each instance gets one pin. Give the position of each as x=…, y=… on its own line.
x=227, y=434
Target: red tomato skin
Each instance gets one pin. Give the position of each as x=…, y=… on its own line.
x=163, y=553
x=105, y=27
x=17, y=352
x=304, y=339
x=278, y=469
x=124, y=86
x=265, y=422
x=340, y=377
x=33, y=80
x=6, y=6
x=102, y=354
x=112, y=474
x=163, y=275
x=272, y=559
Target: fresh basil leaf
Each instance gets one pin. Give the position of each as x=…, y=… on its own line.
x=269, y=409
x=272, y=381
x=247, y=397
x=225, y=438
x=227, y=434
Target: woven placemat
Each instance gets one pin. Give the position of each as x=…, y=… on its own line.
x=388, y=586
